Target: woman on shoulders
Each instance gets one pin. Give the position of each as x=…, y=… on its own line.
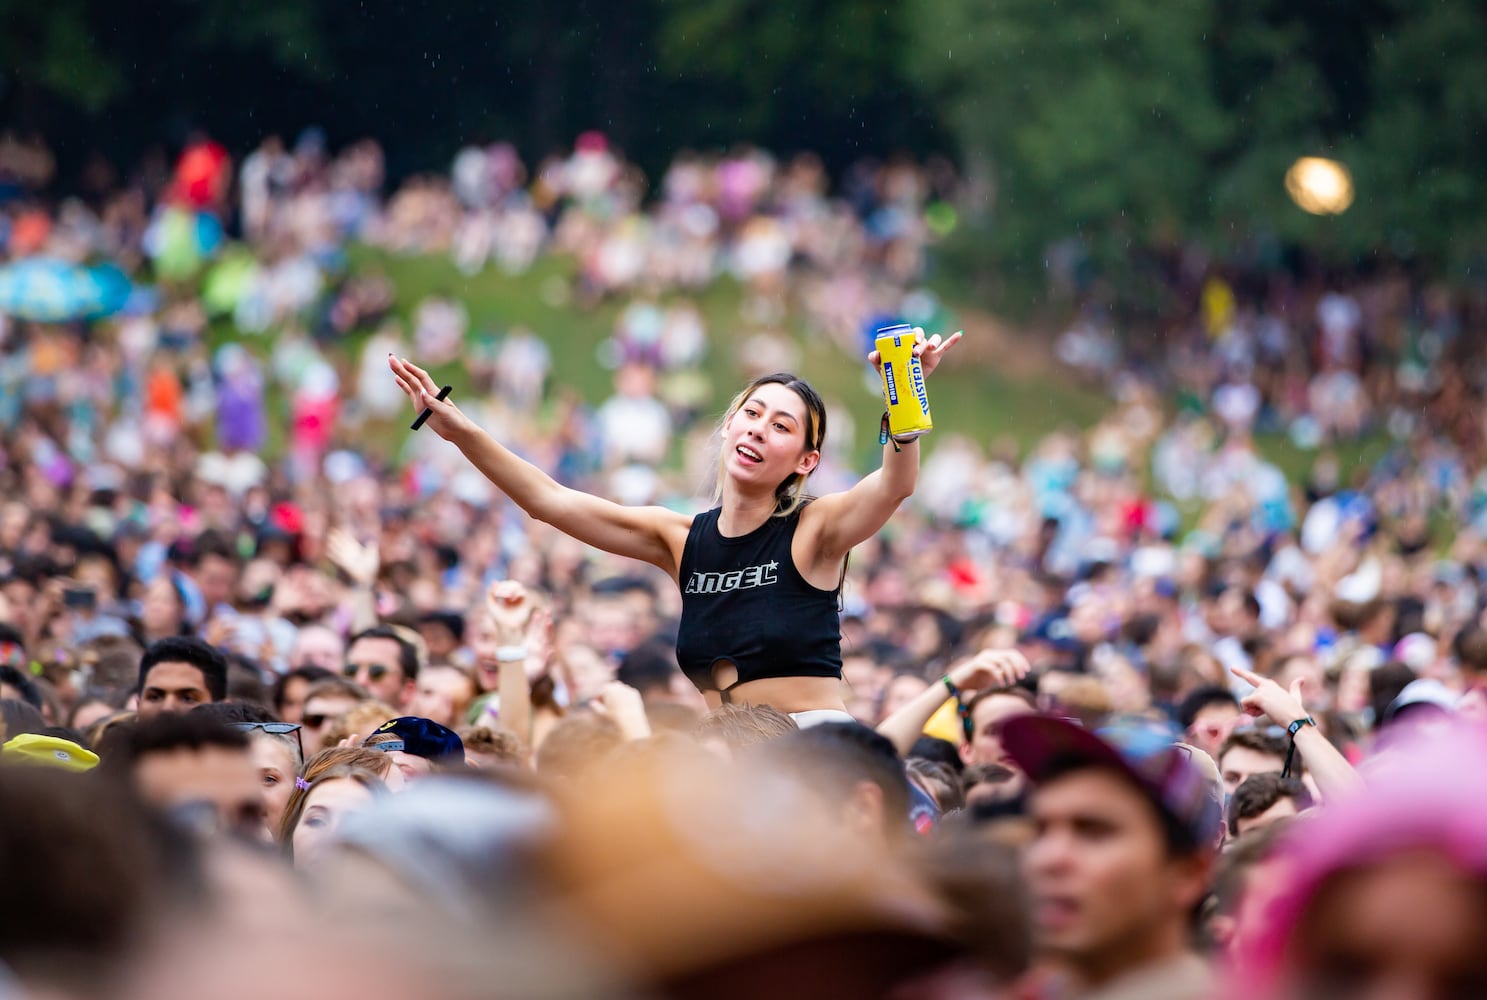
x=760, y=573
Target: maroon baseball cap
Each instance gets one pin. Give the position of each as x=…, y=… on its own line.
x=1144, y=751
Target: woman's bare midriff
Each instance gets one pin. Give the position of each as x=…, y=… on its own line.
x=788, y=694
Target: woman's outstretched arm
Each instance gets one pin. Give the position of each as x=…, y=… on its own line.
x=650, y=534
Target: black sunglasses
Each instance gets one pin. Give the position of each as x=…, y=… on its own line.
x=375, y=671
x=276, y=729
x=315, y=721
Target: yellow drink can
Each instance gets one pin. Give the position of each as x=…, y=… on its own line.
x=903, y=383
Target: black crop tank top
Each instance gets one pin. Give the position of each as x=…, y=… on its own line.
x=744, y=602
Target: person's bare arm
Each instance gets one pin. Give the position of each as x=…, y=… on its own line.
x=650, y=534
x=523, y=628
x=842, y=520
x=1329, y=769
x=989, y=668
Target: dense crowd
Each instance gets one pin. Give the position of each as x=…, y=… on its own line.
x=318, y=716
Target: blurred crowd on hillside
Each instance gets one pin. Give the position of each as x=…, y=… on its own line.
x=129, y=427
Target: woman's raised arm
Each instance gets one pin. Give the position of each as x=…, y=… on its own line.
x=650, y=534
x=842, y=520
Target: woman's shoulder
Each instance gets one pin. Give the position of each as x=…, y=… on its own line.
x=702, y=520
x=807, y=510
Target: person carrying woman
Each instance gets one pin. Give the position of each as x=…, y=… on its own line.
x=761, y=572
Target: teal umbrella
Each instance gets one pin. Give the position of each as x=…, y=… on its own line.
x=51, y=291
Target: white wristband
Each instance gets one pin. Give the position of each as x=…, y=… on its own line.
x=510, y=654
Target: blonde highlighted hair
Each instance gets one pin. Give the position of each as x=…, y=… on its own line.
x=790, y=494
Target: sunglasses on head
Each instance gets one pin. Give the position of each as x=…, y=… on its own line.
x=375, y=671
x=275, y=729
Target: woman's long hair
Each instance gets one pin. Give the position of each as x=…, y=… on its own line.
x=790, y=494
x=294, y=809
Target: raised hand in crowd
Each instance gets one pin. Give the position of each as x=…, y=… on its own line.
x=510, y=607
x=523, y=645
x=622, y=704
x=988, y=669
x=1329, y=769
x=930, y=350
x=361, y=562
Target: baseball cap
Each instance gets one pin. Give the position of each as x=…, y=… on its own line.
x=422, y=738
x=1055, y=629
x=1425, y=692
x=1144, y=751
x=48, y=751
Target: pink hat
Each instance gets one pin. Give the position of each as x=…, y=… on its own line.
x=1417, y=795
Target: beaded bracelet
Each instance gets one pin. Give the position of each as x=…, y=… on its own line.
x=961, y=708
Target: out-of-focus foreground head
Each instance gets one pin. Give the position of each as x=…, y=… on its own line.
x=707, y=878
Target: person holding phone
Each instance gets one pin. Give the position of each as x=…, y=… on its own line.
x=83, y=621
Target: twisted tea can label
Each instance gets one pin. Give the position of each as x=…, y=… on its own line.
x=903, y=383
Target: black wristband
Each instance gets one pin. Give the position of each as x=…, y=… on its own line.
x=1293, y=729
x=1297, y=726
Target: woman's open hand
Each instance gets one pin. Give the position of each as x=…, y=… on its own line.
x=446, y=419
x=932, y=351
x=929, y=350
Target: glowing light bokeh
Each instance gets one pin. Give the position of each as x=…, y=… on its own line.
x=1320, y=186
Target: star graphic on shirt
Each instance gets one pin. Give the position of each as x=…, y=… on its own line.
x=773, y=564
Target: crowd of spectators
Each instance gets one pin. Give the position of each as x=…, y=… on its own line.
x=228, y=613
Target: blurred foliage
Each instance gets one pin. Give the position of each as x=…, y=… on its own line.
x=51, y=48
x=1111, y=132
x=1114, y=129
x=426, y=78
x=1422, y=151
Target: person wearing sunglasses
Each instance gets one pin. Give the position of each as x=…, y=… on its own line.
x=292, y=687
x=384, y=662
x=326, y=702
x=1209, y=715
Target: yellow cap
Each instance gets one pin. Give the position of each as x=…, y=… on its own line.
x=49, y=751
x=945, y=723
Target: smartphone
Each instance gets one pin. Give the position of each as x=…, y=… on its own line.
x=80, y=598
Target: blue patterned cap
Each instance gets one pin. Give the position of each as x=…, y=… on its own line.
x=1144, y=750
